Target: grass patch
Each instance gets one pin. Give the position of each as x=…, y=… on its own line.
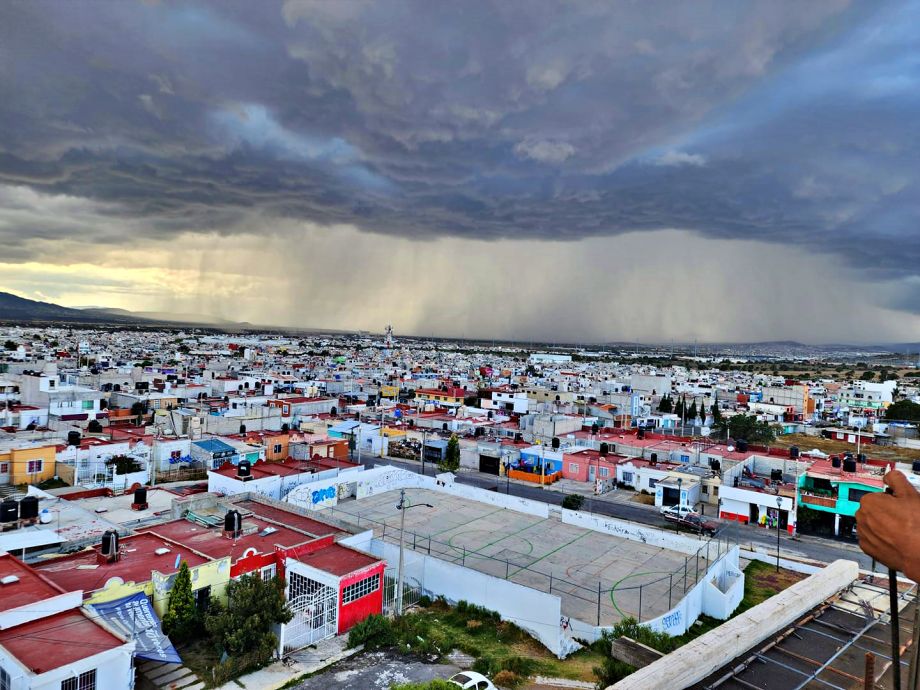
x=498, y=647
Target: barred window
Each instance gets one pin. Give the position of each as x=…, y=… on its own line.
x=86, y=681
x=361, y=588
x=5, y=682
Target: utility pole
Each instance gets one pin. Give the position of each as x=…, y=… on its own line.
x=402, y=507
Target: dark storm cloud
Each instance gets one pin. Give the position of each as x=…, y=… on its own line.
x=787, y=122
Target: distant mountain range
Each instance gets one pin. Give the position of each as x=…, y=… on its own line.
x=13, y=308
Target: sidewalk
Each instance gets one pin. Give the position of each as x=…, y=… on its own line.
x=297, y=665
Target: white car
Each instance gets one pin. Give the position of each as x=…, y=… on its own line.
x=470, y=680
x=678, y=511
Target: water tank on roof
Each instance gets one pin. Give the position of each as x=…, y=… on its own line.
x=741, y=445
x=140, y=496
x=653, y=458
x=776, y=475
x=110, y=545
x=244, y=469
x=849, y=465
x=915, y=466
x=28, y=508
x=233, y=522
x=73, y=438
x=794, y=452
x=861, y=458
x=9, y=510
x=835, y=461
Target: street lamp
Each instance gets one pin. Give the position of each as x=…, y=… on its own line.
x=402, y=506
x=779, y=502
x=680, y=500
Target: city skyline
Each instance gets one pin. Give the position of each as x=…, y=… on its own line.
x=585, y=172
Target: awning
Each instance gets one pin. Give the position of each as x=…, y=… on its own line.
x=27, y=538
x=135, y=618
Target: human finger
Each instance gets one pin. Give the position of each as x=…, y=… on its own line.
x=898, y=483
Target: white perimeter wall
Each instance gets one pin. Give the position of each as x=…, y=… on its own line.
x=536, y=612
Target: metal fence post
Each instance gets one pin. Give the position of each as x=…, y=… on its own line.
x=550, y=581
x=507, y=568
x=670, y=578
x=384, y=536
x=414, y=535
x=463, y=562
x=598, y=602
x=429, y=544
x=685, y=573
x=696, y=577
x=640, y=604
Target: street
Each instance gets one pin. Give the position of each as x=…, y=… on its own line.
x=748, y=536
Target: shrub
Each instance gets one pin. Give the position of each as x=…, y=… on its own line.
x=373, y=632
x=573, y=502
x=424, y=601
x=436, y=684
x=507, y=679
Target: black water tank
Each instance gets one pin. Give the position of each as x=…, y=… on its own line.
x=794, y=452
x=605, y=448
x=653, y=457
x=73, y=438
x=110, y=543
x=915, y=466
x=776, y=475
x=835, y=461
x=861, y=458
x=715, y=465
x=140, y=496
x=28, y=508
x=244, y=469
x=848, y=455
x=849, y=465
x=9, y=510
x=741, y=445
x=640, y=433
x=233, y=521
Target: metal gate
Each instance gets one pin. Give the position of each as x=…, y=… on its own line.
x=315, y=609
x=412, y=591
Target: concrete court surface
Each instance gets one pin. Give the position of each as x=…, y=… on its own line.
x=545, y=554
x=375, y=671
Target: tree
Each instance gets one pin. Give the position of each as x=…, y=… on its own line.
x=692, y=412
x=903, y=410
x=665, y=406
x=244, y=625
x=716, y=414
x=182, y=620
x=679, y=407
x=10, y=345
x=451, y=461
x=867, y=375
x=749, y=428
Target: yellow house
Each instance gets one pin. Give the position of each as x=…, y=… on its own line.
x=389, y=391
x=446, y=395
x=26, y=463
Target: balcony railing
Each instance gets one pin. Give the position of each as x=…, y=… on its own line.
x=823, y=501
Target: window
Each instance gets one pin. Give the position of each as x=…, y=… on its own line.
x=87, y=404
x=627, y=477
x=361, y=588
x=652, y=483
x=175, y=455
x=4, y=468
x=705, y=489
x=604, y=471
x=268, y=573
x=34, y=467
x=85, y=681
x=276, y=448
x=5, y=682
x=573, y=467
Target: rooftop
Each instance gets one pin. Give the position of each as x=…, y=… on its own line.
x=83, y=570
x=301, y=522
x=338, y=560
x=213, y=543
x=49, y=643
x=30, y=588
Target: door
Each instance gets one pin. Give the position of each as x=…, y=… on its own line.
x=592, y=470
x=489, y=464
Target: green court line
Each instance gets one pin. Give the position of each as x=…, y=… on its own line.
x=547, y=555
x=622, y=580
x=434, y=534
x=492, y=543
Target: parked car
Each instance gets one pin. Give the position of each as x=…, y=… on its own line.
x=694, y=522
x=678, y=511
x=470, y=680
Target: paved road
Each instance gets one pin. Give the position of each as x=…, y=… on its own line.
x=806, y=546
x=375, y=671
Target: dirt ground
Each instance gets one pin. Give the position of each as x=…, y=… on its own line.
x=806, y=442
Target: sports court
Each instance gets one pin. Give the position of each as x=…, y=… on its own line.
x=581, y=566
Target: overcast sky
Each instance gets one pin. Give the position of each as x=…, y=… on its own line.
x=510, y=169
